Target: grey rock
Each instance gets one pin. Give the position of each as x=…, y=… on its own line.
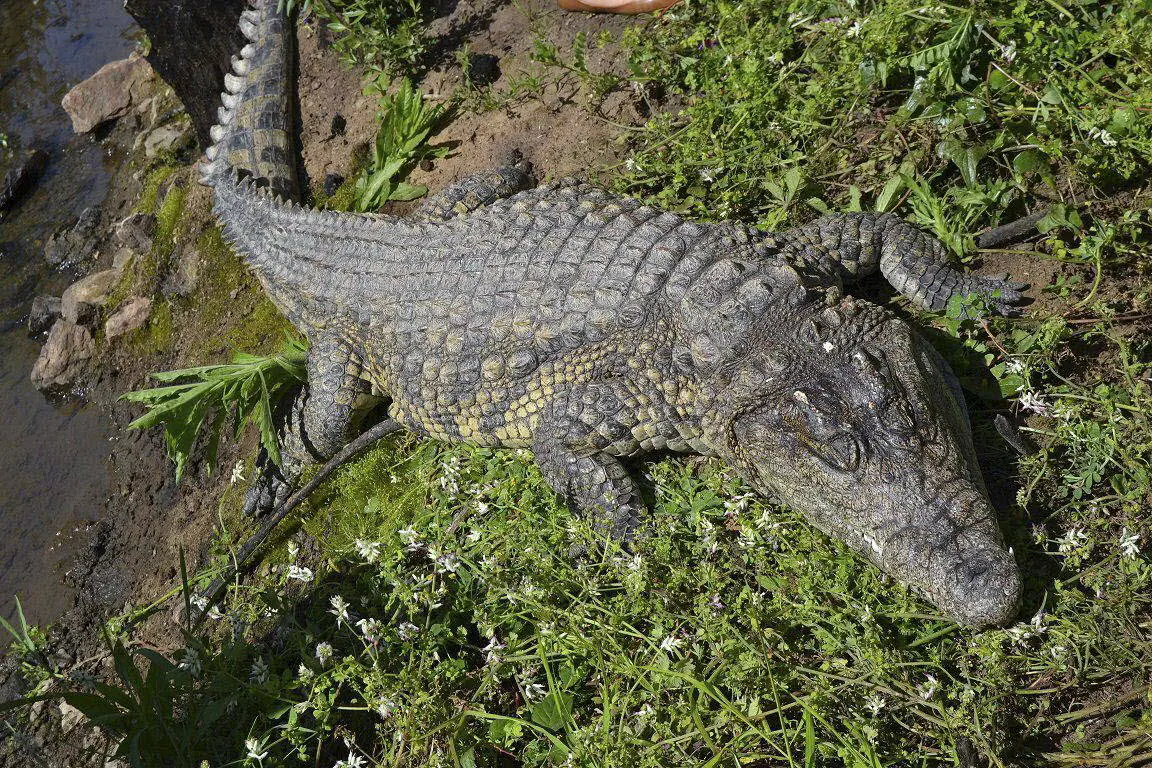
x=75, y=246
x=135, y=232
x=83, y=299
x=70, y=717
x=64, y=358
x=44, y=312
x=108, y=94
x=182, y=279
x=129, y=316
x=21, y=177
x=169, y=138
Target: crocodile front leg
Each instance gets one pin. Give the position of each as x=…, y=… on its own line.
x=855, y=245
x=323, y=416
x=592, y=483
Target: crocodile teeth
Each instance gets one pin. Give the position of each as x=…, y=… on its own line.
x=233, y=84
x=223, y=116
x=216, y=132
x=239, y=66
x=248, y=51
x=211, y=152
x=248, y=28
x=252, y=16
x=230, y=100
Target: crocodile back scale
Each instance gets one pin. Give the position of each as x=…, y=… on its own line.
x=591, y=329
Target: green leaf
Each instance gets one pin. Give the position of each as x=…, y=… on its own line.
x=553, y=711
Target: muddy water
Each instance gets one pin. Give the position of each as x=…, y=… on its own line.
x=53, y=457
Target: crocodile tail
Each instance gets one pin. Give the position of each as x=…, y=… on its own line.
x=253, y=138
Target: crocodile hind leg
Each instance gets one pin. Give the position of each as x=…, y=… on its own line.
x=323, y=416
x=513, y=175
x=594, y=484
x=855, y=245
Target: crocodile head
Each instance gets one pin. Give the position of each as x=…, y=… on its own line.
x=852, y=419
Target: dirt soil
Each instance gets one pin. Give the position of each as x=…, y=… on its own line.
x=130, y=556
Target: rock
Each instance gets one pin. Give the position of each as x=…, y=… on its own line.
x=169, y=138
x=192, y=47
x=22, y=176
x=135, y=232
x=123, y=257
x=182, y=279
x=70, y=717
x=131, y=315
x=332, y=182
x=45, y=311
x=77, y=245
x=64, y=357
x=339, y=125
x=108, y=94
x=82, y=300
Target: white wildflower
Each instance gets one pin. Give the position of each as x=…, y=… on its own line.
x=446, y=562
x=708, y=174
x=254, y=746
x=534, y=691
x=494, y=645
x=385, y=708
x=1030, y=401
x=874, y=703
x=1016, y=366
x=300, y=573
x=671, y=643
x=1103, y=136
x=191, y=662
x=293, y=550
x=369, y=550
x=370, y=629
x=324, y=653
x=353, y=761
x=855, y=29
x=1071, y=541
x=339, y=608
x=1008, y=51
x=237, y=473
x=304, y=673
x=259, y=672
x=927, y=689
x=1129, y=544
x=407, y=630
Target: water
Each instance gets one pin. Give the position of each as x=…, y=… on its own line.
x=54, y=472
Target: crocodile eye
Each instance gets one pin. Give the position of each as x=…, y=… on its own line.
x=841, y=452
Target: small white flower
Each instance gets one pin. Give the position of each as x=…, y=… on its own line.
x=353, y=761
x=237, y=473
x=407, y=630
x=191, y=661
x=253, y=746
x=304, y=673
x=855, y=29
x=874, y=703
x=1016, y=366
x=1030, y=401
x=1008, y=51
x=339, y=608
x=299, y=573
x=1104, y=137
x=369, y=550
x=708, y=174
x=494, y=645
x=370, y=629
x=671, y=644
x=293, y=550
x=324, y=653
x=259, y=672
x=534, y=691
x=446, y=562
x=481, y=507
x=200, y=602
x=927, y=689
x=1129, y=544
x=385, y=708
x=1071, y=541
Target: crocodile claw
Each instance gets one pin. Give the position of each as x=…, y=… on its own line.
x=268, y=491
x=1004, y=296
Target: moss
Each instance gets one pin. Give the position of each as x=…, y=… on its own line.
x=156, y=336
x=149, y=194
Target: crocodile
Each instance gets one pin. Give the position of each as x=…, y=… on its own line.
x=593, y=329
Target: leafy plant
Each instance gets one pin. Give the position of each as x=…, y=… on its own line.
x=406, y=122
x=247, y=389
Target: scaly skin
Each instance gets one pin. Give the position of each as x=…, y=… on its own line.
x=590, y=329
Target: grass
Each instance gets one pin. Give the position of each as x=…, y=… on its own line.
x=429, y=609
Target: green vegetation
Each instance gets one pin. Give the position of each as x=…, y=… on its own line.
x=204, y=398
x=406, y=122
x=382, y=37
x=444, y=619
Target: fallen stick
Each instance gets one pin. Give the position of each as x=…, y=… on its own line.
x=1011, y=232
x=215, y=590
